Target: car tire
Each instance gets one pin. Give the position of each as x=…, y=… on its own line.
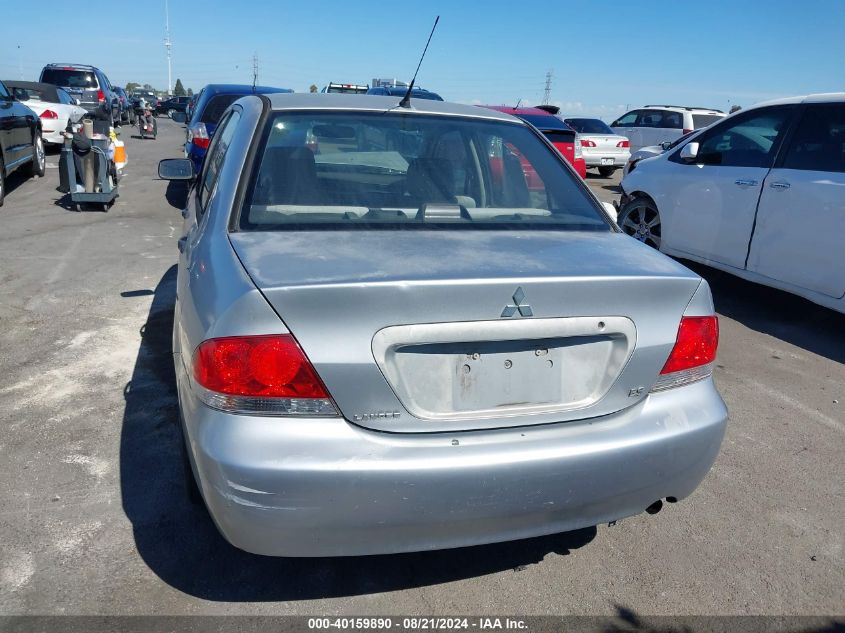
x=640, y=219
x=39, y=159
x=607, y=172
x=170, y=113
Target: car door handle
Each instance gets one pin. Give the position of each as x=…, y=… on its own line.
x=743, y=182
x=780, y=185
x=180, y=243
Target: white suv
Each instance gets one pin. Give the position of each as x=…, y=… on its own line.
x=760, y=195
x=654, y=124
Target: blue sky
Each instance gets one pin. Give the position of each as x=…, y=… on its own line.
x=605, y=56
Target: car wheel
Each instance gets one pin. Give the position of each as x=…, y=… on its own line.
x=607, y=172
x=39, y=160
x=640, y=219
x=170, y=113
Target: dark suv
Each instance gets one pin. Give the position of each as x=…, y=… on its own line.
x=173, y=104
x=20, y=139
x=86, y=83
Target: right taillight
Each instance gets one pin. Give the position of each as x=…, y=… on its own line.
x=198, y=135
x=623, y=144
x=259, y=375
x=692, y=356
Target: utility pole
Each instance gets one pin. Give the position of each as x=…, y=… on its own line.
x=254, y=70
x=167, y=46
x=20, y=62
x=548, y=92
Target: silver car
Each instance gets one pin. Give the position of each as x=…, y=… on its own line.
x=601, y=147
x=402, y=329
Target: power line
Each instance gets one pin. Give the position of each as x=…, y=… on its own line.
x=548, y=92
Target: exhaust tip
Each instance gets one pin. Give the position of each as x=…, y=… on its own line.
x=655, y=507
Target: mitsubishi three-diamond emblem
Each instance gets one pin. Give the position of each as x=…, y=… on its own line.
x=518, y=305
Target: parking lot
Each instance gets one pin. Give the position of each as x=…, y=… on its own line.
x=96, y=519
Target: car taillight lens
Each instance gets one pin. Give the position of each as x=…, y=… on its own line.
x=687, y=130
x=693, y=354
x=101, y=96
x=623, y=144
x=49, y=114
x=585, y=142
x=259, y=375
x=198, y=135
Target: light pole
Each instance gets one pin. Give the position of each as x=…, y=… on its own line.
x=167, y=46
x=20, y=62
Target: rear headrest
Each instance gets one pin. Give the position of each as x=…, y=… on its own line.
x=431, y=180
x=288, y=176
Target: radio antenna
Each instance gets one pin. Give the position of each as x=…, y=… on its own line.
x=406, y=100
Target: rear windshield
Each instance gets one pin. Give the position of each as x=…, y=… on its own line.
x=589, y=126
x=559, y=136
x=69, y=78
x=703, y=120
x=216, y=106
x=324, y=170
x=544, y=122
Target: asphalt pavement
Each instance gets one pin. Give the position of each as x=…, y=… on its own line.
x=94, y=517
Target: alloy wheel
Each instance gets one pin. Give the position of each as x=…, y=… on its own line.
x=642, y=222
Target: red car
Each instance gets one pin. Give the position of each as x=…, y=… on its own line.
x=559, y=133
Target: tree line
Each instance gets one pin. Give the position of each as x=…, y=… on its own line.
x=178, y=90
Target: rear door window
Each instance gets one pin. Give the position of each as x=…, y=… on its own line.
x=819, y=140
x=672, y=120
x=703, y=120
x=650, y=118
x=215, y=158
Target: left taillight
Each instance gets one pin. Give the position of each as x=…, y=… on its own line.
x=48, y=114
x=585, y=142
x=693, y=354
x=259, y=375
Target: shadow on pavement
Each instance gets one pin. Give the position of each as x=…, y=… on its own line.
x=780, y=314
x=179, y=542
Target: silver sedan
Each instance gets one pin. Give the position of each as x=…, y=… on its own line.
x=402, y=329
x=602, y=148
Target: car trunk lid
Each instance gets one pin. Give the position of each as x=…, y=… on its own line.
x=458, y=330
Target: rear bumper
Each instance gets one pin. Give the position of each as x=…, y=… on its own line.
x=325, y=487
x=593, y=158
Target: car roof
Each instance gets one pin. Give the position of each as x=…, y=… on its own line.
x=71, y=66
x=378, y=103
x=519, y=111
x=822, y=97
x=245, y=89
x=675, y=108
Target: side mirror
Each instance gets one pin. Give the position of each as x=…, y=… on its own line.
x=179, y=117
x=665, y=145
x=176, y=169
x=689, y=152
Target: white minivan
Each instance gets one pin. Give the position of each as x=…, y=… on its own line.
x=656, y=124
x=760, y=195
